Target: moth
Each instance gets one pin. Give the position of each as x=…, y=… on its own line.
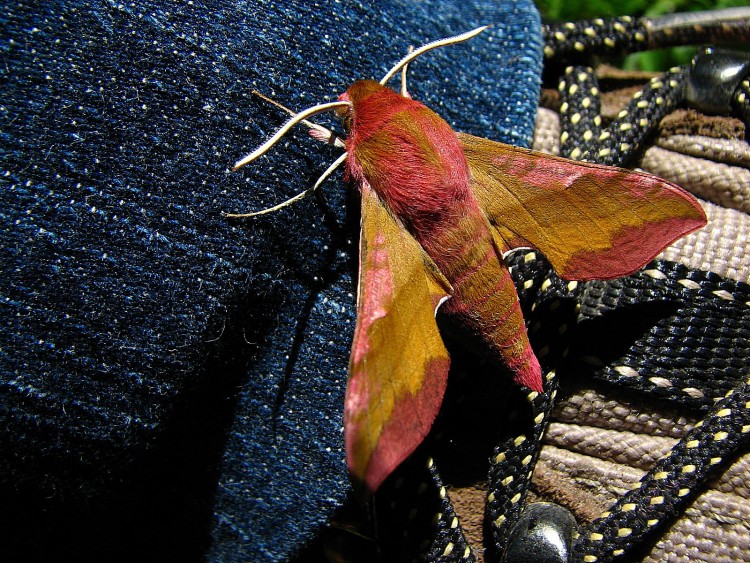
x=440, y=209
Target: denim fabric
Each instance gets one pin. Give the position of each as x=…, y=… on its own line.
x=171, y=382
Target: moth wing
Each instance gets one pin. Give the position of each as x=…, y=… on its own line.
x=590, y=221
x=399, y=365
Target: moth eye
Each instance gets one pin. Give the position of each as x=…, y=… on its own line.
x=347, y=120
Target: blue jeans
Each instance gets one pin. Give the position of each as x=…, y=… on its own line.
x=171, y=382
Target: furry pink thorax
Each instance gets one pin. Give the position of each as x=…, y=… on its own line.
x=409, y=155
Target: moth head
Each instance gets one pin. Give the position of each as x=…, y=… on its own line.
x=355, y=94
x=344, y=107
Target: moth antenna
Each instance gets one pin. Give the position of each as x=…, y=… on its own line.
x=429, y=47
x=404, y=91
x=317, y=132
x=323, y=177
x=298, y=117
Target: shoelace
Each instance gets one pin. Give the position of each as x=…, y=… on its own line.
x=710, y=373
x=692, y=351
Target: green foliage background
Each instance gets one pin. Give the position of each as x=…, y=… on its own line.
x=572, y=10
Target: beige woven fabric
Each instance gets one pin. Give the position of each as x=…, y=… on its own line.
x=719, y=247
x=599, y=446
x=592, y=408
x=727, y=151
x=727, y=185
x=619, y=446
x=546, y=132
